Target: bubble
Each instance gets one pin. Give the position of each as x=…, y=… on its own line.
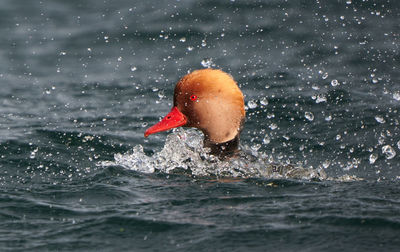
x=328, y=118
x=372, y=158
x=379, y=119
x=398, y=145
x=144, y=124
x=324, y=76
x=388, y=151
x=252, y=104
x=309, y=116
x=264, y=101
x=334, y=83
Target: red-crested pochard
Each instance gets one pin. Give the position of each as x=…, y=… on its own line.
x=210, y=100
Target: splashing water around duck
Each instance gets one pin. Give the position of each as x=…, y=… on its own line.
x=184, y=153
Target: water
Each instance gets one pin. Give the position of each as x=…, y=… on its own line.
x=81, y=81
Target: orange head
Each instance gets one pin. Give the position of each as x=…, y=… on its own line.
x=209, y=100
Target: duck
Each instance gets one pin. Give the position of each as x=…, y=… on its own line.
x=211, y=101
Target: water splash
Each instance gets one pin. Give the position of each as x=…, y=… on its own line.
x=183, y=153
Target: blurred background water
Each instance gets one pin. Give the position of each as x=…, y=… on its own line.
x=81, y=80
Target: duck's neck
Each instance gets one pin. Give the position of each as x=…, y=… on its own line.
x=223, y=150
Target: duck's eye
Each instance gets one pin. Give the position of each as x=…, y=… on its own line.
x=193, y=97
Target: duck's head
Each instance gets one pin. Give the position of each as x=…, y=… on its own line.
x=211, y=101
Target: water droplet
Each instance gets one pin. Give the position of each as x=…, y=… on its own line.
x=398, y=145
x=119, y=58
x=264, y=101
x=320, y=98
x=161, y=94
x=328, y=118
x=133, y=69
x=252, y=104
x=144, y=124
x=326, y=164
x=190, y=48
x=325, y=75
x=315, y=87
x=33, y=153
x=273, y=126
x=374, y=80
x=256, y=147
x=396, y=96
x=183, y=39
x=309, y=116
x=372, y=158
x=380, y=119
x=334, y=83
x=388, y=151
x=267, y=140
x=207, y=63
x=348, y=2
x=270, y=115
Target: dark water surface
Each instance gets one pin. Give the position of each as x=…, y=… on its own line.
x=81, y=80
